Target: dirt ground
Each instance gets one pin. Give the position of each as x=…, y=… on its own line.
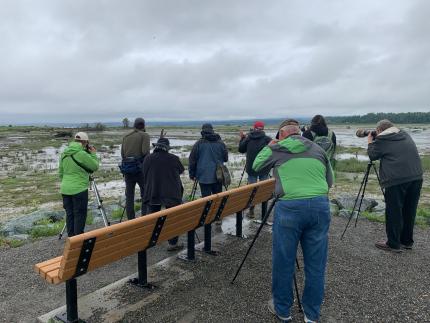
x=364, y=284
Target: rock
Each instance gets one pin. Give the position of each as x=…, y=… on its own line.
x=334, y=209
x=19, y=237
x=347, y=202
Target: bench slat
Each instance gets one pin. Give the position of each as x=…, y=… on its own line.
x=38, y=267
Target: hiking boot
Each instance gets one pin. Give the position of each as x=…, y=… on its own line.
x=175, y=247
x=271, y=308
x=384, y=246
x=251, y=214
x=406, y=246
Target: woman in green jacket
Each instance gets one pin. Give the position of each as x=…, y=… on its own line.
x=77, y=162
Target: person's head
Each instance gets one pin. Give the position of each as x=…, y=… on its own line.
x=162, y=144
x=207, y=129
x=383, y=125
x=287, y=122
x=139, y=123
x=258, y=125
x=288, y=130
x=318, y=120
x=82, y=138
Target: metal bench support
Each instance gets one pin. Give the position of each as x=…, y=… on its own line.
x=239, y=218
x=142, y=272
x=263, y=209
x=71, y=314
x=191, y=253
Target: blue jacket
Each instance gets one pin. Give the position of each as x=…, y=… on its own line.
x=207, y=153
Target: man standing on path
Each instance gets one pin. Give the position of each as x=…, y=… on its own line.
x=251, y=144
x=135, y=146
x=163, y=185
x=302, y=214
x=401, y=175
x=77, y=162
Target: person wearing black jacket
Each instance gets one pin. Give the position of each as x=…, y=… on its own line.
x=251, y=144
x=401, y=175
x=323, y=136
x=163, y=185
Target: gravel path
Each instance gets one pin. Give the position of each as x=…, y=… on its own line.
x=363, y=284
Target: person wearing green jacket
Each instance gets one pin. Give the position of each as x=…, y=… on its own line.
x=77, y=162
x=302, y=214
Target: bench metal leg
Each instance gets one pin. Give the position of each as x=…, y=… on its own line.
x=208, y=238
x=191, y=254
x=142, y=272
x=71, y=314
x=239, y=218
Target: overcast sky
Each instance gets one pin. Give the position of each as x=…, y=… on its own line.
x=89, y=61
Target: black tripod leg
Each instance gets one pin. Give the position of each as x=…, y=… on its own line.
x=263, y=222
x=361, y=200
x=297, y=263
x=356, y=200
x=122, y=215
x=379, y=180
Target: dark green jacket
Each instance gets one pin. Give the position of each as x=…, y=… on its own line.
x=135, y=144
x=75, y=179
x=301, y=168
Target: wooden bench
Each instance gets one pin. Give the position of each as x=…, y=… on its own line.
x=91, y=250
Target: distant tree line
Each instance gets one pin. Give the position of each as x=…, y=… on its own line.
x=404, y=117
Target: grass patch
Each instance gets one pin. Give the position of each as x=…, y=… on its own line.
x=425, y=160
x=373, y=217
x=47, y=230
x=12, y=243
x=351, y=165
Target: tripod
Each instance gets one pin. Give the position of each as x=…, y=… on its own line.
x=93, y=187
x=241, y=176
x=252, y=244
x=361, y=191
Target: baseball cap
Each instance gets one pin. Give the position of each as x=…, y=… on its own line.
x=258, y=125
x=81, y=136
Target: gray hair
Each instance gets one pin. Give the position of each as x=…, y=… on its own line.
x=384, y=125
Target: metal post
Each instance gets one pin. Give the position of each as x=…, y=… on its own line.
x=190, y=245
x=142, y=272
x=71, y=302
x=263, y=209
x=239, y=218
x=208, y=242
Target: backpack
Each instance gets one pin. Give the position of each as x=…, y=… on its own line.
x=325, y=142
x=131, y=165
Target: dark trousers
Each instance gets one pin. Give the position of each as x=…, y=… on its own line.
x=209, y=189
x=76, y=207
x=152, y=208
x=130, y=185
x=400, y=211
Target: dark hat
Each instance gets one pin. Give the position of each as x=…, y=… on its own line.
x=139, y=123
x=207, y=127
x=162, y=143
x=287, y=122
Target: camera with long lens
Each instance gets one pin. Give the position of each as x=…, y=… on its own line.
x=361, y=133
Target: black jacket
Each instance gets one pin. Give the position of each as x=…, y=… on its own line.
x=163, y=184
x=320, y=131
x=207, y=153
x=251, y=145
x=400, y=161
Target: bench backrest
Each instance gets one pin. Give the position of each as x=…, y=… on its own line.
x=93, y=249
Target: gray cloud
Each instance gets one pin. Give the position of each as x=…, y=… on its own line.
x=103, y=60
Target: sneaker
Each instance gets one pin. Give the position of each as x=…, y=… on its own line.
x=407, y=246
x=271, y=307
x=175, y=247
x=384, y=246
x=308, y=320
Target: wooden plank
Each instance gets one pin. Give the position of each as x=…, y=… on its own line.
x=106, y=232
x=52, y=277
x=38, y=267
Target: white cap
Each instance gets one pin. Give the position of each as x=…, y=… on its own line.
x=82, y=136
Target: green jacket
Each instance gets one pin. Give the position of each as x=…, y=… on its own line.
x=301, y=168
x=75, y=179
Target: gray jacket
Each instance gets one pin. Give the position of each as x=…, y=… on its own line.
x=399, y=159
x=135, y=144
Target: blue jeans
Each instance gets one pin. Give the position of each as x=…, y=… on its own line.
x=307, y=221
x=253, y=179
